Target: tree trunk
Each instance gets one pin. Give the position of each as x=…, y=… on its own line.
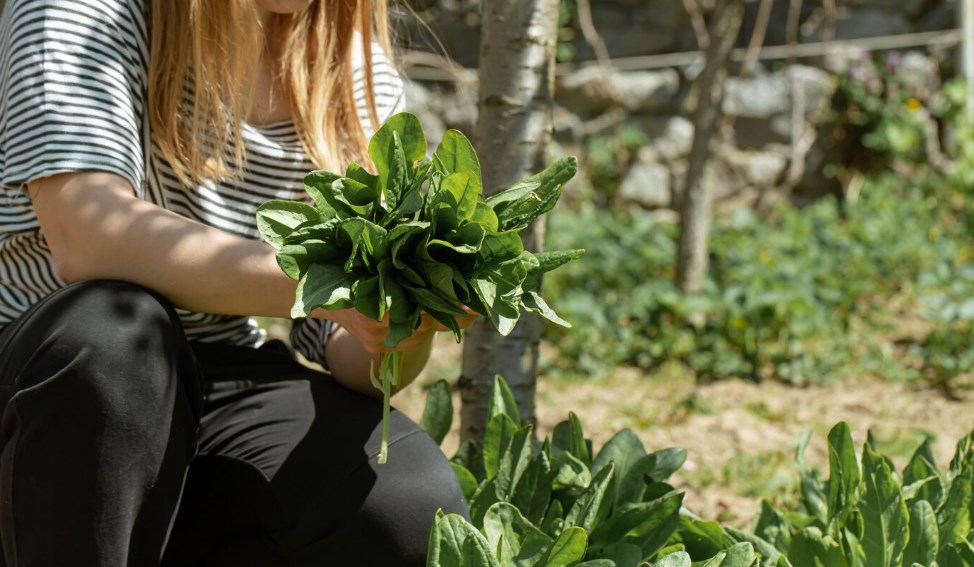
x=517, y=60
x=691, y=261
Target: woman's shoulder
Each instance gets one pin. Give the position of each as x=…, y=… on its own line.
x=108, y=16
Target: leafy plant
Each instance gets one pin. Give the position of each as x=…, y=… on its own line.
x=867, y=513
x=796, y=297
x=557, y=502
x=417, y=236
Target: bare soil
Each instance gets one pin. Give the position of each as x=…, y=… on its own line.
x=740, y=436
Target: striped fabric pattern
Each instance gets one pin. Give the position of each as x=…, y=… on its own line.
x=73, y=81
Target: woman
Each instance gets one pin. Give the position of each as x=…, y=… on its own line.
x=141, y=422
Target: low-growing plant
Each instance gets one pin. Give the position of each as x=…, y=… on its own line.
x=797, y=297
x=559, y=503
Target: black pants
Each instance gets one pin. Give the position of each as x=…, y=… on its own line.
x=121, y=443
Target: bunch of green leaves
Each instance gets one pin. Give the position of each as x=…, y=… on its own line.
x=417, y=236
x=555, y=502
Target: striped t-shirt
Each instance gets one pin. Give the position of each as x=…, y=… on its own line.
x=73, y=83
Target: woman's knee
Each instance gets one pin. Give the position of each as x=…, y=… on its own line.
x=410, y=488
x=115, y=343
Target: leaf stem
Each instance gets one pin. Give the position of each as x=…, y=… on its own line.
x=390, y=366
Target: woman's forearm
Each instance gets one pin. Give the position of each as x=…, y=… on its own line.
x=98, y=229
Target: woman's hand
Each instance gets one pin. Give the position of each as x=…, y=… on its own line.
x=372, y=334
x=356, y=347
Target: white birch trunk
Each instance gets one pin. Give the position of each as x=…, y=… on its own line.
x=517, y=49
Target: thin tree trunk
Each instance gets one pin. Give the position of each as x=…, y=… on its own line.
x=691, y=262
x=517, y=61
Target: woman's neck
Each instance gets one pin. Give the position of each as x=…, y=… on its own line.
x=270, y=104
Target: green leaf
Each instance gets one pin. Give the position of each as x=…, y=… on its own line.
x=502, y=401
x=548, y=261
x=527, y=542
x=434, y=301
x=655, y=467
x=844, y=476
x=438, y=412
x=317, y=184
x=809, y=548
x=476, y=552
x=410, y=132
x=624, y=449
x=499, y=247
x=884, y=514
x=499, y=529
x=593, y=505
x=921, y=473
x=646, y=524
x=358, y=173
x=813, y=494
x=618, y=555
x=277, y=219
x=483, y=499
x=324, y=285
x=368, y=297
x=470, y=456
x=295, y=259
x=739, y=555
x=568, y=436
x=554, y=519
x=396, y=181
x=569, y=472
x=455, y=154
x=533, y=493
x=468, y=483
x=702, y=538
x=772, y=526
x=769, y=555
x=532, y=302
x=455, y=202
x=567, y=549
x=497, y=438
x=924, y=535
x=953, y=519
x=447, y=537
x=467, y=239
x=677, y=559
x=530, y=198
x=353, y=198
x=513, y=463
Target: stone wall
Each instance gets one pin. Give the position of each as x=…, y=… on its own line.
x=769, y=148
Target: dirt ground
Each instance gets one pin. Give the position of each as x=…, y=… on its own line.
x=740, y=436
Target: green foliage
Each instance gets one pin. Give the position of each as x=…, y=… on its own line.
x=383, y=245
x=873, y=118
x=386, y=247
x=557, y=503
x=874, y=515
x=790, y=298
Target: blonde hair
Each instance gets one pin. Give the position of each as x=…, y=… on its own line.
x=208, y=47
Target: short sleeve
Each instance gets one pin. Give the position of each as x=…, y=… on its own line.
x=308, y=336
x=72, y=89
